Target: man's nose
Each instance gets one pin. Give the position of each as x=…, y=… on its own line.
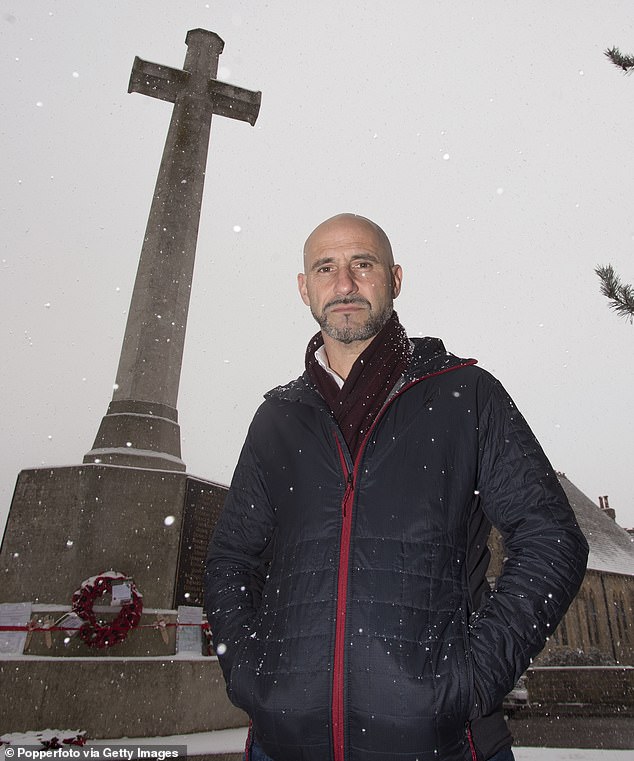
x=346, y=283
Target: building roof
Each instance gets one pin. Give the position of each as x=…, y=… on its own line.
x=611, y=547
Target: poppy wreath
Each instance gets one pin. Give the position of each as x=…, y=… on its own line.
x=100, y=635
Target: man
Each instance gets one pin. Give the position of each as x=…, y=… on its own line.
x=345, y=584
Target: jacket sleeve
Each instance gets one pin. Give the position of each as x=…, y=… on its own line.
x=546, y=551
x=236, y=558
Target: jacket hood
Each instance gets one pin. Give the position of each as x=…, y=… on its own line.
x=429, y=357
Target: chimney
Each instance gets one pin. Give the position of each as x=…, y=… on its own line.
x=604, y=504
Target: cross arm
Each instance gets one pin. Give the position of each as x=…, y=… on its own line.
x=166, y=83
x=157, y=81
x=234, y=102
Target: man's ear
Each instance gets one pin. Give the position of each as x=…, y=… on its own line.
x=397, y=279
x=303, y=291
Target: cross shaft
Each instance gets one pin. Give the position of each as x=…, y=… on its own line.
x=141, y=425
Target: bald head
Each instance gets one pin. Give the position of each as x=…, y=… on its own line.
x=346, y=224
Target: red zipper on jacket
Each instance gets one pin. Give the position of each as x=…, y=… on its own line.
x=472, y=748
x=342, y=601
x=338, y=713
x=249, y=743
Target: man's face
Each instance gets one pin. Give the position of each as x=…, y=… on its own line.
x=350, y=281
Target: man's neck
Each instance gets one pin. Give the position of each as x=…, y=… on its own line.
x=342, y=356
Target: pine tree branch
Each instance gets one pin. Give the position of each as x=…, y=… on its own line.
x=621, y=295
x=620, y=60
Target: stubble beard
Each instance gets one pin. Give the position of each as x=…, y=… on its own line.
x=349, y=332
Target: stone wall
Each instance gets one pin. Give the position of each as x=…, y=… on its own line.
x=606, y=686
x=600, y=621
x=576, y=708
x=601, y=618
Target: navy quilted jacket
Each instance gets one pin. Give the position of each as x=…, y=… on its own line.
x=370, y=639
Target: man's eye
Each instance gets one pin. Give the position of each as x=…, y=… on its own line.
x=364, y=265
x=325, y=268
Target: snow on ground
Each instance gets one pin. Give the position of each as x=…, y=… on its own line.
x=221, y=741
x=571, y=754
x=232, y=741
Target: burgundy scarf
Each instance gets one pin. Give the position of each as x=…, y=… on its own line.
x=372, y=377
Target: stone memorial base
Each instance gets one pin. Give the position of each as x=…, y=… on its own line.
x=68, y=524
x=116, y=697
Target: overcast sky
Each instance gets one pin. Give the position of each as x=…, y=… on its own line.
x=492, y=141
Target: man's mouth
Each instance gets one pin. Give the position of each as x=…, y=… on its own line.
x=347, y=306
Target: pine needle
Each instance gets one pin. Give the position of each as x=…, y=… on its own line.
x=620, y=60
x=621, y=295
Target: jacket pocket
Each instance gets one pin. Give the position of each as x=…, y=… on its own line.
x=454, y=679
x=474, y=706
x=238, y=688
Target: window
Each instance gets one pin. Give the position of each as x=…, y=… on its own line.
x=593, y=620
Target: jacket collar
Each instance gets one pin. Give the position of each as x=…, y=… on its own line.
x=429, y=357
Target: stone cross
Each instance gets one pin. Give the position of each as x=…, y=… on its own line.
x=140, y=427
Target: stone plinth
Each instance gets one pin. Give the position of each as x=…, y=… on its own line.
x=67, y=524
x=114, y=697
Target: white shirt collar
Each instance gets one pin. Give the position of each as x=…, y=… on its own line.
x=322, y=358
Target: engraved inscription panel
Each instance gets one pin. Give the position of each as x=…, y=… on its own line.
x=203, y=503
